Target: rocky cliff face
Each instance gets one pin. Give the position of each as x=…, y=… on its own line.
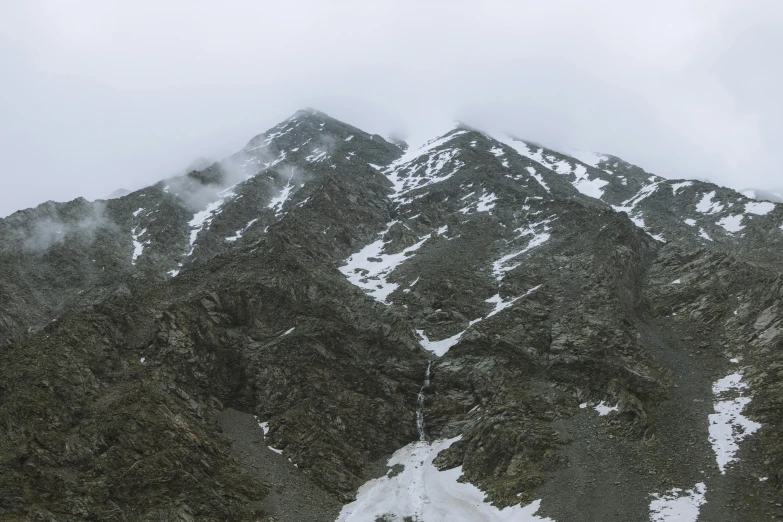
x=576, y=338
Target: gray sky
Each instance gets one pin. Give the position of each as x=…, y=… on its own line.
x=98, y=95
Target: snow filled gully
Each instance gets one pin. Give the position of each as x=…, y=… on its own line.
x=415, y=490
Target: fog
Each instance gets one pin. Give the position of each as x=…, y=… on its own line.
x=102, y=95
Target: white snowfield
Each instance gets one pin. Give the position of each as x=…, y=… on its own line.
x=678, y=505
x=728, y=427
x=425, y=494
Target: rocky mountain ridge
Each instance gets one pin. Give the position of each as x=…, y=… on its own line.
x=576, y=338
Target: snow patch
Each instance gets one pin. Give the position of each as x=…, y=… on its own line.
x=421, y=492
x=677, y=186
x=707, y=206
x=278, y=201
x=369, y=268
x=430, y=157
x=203, y=218
x=603, y=409
x=265, y=428
x=728, y=427
x=589, y=187
x=759, y=208
x=486, y=202
x=678, y=505
x=439, y=348
x=138, y=245
x=732, y=224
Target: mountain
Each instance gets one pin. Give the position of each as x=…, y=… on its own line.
x=328, y=325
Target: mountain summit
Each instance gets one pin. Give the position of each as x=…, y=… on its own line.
x=331, y=326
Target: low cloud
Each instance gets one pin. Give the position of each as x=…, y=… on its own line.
x=42, y=233
x=683, y=88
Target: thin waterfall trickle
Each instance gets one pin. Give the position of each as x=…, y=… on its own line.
x=420, y=403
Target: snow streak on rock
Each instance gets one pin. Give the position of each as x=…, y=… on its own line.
x=485, y=203
x=278, y=201
x=241, y=231
x=264, y=140
x=582, y=182
x=629, y=206
x=414, y=489
x=439, y=348
x=369, y=268
x=425, y=166
x=420, y=405
x=538, y=177
x=136, y=235
x=501, y=304
x=728, y=427
x=265, y=428
x=538, y=234
x=202, y=219
x=678, y=505
x=138, y=245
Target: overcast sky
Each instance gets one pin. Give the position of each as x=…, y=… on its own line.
x=100, y=95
